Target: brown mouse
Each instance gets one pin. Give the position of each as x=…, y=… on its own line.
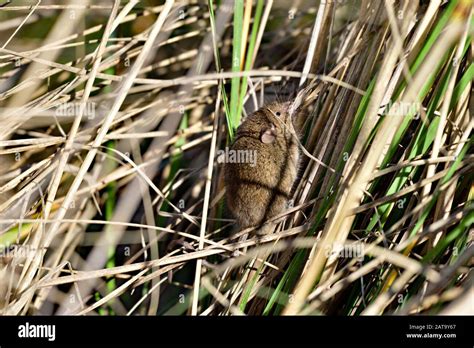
x=259, y=190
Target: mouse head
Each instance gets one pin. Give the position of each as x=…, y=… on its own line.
x=281, y=121
x=279, y=110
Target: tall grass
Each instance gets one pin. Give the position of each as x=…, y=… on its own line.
x=117, y=208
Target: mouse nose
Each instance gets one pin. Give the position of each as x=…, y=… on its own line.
x=293, y=107
x=285, y=107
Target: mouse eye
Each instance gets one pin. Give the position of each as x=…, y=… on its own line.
x=278, y=113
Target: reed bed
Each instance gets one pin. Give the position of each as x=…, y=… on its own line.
x=112, y=117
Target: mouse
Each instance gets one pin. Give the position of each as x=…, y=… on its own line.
x=259, y=190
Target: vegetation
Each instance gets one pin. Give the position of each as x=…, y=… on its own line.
x=112, y=198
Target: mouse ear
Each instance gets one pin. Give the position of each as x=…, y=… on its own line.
x=268, y=136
